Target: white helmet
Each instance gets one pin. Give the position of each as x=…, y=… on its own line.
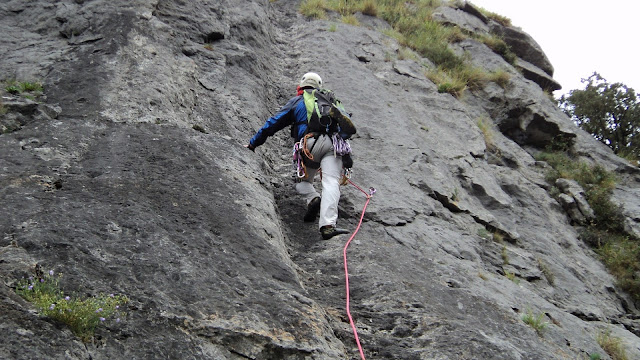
x=311, y=79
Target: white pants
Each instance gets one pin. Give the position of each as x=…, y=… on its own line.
x=331, y=171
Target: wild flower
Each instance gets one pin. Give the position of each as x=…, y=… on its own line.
x=81, y=315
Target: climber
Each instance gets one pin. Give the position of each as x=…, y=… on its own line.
x=320, y=147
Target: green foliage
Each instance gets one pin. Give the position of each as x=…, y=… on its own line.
x=500, y=77
x=499, y=46
x=612, y=345
x=618, y=251
x=484, y=124
x=484, y=233
x=535, y=321
x=551, y=278
x=81, y=315
x=503, y=20
x=414, y=28
x=350, y=20
x=609, y=112
x=511, y=276
x=15, y=88
x=597, y=182
x=505, y=255
x=622, y=258
x=315, y=9
x=594, y=356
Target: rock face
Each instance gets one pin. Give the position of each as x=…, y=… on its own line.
x=129, y=175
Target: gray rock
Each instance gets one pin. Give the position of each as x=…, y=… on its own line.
x=523, y=45
x=107, y=181
x=575, y=201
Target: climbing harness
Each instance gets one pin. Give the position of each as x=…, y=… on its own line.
x=302, y=156
x=344, y=253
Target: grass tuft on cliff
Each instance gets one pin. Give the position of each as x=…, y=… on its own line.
x=82, y=316
x=619, y=251
x=414, y=28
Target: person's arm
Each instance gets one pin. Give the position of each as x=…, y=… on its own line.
x=274, y=124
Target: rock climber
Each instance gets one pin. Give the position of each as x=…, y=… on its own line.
x=320, y=147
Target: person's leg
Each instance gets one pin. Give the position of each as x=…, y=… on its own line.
x=331, y=168
x=306, y=188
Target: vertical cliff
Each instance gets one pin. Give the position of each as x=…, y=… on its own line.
x=128, y=175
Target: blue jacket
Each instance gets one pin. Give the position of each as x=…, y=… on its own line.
x=293, y=113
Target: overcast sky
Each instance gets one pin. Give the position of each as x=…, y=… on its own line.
x=580, y=37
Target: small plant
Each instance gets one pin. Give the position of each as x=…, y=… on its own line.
x=594, y=356
x=333, y=27
x=484, y=233
x=484, y=125
x=612, y=345
x=511, y=276
x=15, y=88
x=350, y=20
x=34, y=87
x=81, y=315
x=548, y=274
x=406, y=53
x=501, y=78
x=535, y=321
x=208, y=47
x=369, y=7
x=502, y=20
x=315, y=9
x=455, y=195
x=505, y=255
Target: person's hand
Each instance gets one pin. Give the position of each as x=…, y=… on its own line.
x=250, y=147
x=347, y=162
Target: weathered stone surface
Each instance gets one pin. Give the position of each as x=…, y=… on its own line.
x=523, y=45
x=121, y=194
x=574, y=200
x=459, y=17
x=534, y=74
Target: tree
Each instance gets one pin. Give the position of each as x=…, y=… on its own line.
x=610, y=112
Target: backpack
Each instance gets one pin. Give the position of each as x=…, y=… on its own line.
x=325, y=113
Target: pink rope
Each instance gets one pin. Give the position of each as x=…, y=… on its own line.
x=346, y=270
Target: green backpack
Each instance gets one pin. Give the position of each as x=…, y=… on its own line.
x=326, y=114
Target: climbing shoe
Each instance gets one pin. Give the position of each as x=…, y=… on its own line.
x=312, y=210
x=330, y=231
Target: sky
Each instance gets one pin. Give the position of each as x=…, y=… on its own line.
x=580, y=37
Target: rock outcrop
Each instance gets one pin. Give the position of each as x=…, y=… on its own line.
x=129, y=175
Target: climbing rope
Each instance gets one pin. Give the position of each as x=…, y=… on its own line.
x=344, y=253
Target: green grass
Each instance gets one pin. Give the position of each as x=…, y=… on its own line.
x=535, y=321
x=546, y=271
x=619, y=251
x=315, y=9
x=82, y=315
x=484, y=124
x=612, y=345
x=15, y=88
x=414, y=28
